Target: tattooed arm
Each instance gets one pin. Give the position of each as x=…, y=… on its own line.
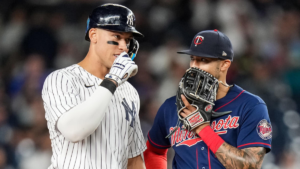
x=231, y=157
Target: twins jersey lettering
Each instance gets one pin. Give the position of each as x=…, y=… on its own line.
x=248, y=125
x=117, y=138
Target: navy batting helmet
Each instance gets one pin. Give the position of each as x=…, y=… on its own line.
x=113, y=17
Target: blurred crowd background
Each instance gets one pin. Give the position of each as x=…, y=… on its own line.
x=39, y=36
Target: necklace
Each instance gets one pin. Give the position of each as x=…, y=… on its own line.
x=225, y=84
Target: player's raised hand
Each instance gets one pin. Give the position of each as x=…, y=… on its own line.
x=188, y=107
x=122, y=68
x=189, y=110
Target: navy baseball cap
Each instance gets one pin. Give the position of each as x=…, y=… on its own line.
x=211, y=44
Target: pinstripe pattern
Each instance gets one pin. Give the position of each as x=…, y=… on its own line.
x=113, y=142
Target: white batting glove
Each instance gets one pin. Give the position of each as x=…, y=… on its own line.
x=122, y=68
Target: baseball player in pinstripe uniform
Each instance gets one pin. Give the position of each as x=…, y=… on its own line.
x=91, y=109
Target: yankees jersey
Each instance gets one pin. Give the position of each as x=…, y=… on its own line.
x=248, y=125
x=117, y=138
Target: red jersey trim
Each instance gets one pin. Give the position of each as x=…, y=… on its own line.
x=155, y=143
x=254, y=143
x=208, y=154
x=197, y=158
x=230, y=101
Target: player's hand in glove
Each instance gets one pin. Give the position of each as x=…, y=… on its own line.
x=122, y=68
x=195, y=98
x=192, y=117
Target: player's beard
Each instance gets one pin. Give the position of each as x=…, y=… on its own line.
x=217, y=71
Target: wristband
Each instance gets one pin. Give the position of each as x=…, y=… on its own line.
x=114, y=78
x=111, y=86
x=212, y=140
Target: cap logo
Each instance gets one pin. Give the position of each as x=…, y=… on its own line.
x=130, y=19
x=198, y=40
x=224, y=54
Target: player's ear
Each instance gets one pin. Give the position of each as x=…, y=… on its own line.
x=225, y=64
x=93, y=35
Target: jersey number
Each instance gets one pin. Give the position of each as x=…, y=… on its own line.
x=128, y=111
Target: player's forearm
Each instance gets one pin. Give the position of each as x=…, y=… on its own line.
x=231, y=157
x=83, y=119
x=136, y=163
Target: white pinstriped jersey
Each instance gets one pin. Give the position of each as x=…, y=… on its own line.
x=117, y=138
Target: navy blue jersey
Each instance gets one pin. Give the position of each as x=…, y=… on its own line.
x=248, y=125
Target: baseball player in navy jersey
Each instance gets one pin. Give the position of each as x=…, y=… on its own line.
x=92, y=111
x=238, y=139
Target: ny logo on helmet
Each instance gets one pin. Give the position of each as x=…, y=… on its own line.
x=130, y=19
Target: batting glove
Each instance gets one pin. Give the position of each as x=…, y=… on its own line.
x=122, y=68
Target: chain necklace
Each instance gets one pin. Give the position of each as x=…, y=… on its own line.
x=225, y=84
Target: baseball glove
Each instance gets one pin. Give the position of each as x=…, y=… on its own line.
x=200, y=89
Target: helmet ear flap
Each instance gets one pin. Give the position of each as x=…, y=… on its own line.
x=89, y=24
x=87, y=29
x=133, y=48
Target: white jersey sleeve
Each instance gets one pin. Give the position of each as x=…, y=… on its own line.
x=59, y=95
x=136, y=142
